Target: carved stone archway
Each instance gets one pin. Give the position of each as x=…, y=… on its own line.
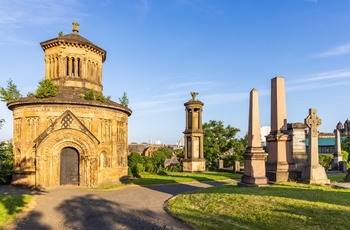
x=48, y=157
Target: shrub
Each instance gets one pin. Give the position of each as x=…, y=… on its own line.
x=89, y=95
x=47, y=88
x=326, y=160
x=133, y=160
x=346, y=157
x=139, y=168
x=100, y=97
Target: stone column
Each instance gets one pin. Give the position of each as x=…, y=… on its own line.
x=254, y=156
x=337, y=150
x=70, y=66
x=313, y=173
x=277, y=165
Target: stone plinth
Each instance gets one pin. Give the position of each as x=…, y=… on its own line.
x=193, y=165
x=254, y=156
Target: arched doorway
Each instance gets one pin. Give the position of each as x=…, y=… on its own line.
x=69, y=166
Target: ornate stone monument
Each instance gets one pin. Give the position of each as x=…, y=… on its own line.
x=337, y=150
x=194, y=157
x=277, y=166
x=254, y=156
x=313, y=173
x=67, y=139
x=298, y=149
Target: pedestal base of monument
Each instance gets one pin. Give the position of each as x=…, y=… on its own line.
x=277, y=172
x=314, y=174
x=193, y=165
x=248, y=181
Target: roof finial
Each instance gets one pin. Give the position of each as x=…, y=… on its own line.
x=75, y=27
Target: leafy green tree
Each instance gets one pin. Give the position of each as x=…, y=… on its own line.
x=159, y=156
x=134, y=159
x=124, y=100
x=219, y=139
x=10, y=93
x=47, y=88
x=6, y=161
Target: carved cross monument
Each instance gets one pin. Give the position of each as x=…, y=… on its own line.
x=312, y=122
x=313, y=173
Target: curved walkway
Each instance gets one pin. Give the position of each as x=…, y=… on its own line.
x=133, y=207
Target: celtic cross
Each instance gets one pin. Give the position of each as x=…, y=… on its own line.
x=313, y=121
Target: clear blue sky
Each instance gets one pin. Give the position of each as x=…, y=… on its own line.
x=158, y=51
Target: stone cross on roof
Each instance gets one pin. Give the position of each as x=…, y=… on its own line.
x=313, y=121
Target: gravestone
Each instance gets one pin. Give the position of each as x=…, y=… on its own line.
x=254, y=156
x=313, y=173
x=298, y=149
x=236, y=166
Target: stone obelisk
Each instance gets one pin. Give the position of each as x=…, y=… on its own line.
x=277, y=165
x=337, y=151
x=313, y=173
x=254, y=156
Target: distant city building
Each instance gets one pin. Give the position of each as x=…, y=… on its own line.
x=264, y=131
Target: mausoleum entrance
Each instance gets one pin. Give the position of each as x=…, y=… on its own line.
x=69, y=166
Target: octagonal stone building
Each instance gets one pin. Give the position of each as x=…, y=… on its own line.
x=67, y=139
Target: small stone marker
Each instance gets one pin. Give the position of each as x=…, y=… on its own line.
x=313, y=173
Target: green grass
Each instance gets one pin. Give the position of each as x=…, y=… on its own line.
x=336, y=178
x=177, y=177
x=280, y=206
x=10, y=205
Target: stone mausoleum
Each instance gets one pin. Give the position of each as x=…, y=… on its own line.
x=67, y=139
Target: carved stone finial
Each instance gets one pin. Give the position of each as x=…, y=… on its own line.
x=194, y=94
x=75, y=27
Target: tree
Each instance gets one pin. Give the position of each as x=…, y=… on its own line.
x=219, y=139
x=159, y=156
x=6, y=161
x=134, y=159
x=10, y=93
x=124, y=100
x=46, y=88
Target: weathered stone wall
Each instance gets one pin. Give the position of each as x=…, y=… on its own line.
x=98, y=134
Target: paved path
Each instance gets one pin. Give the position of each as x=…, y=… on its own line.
x=134, y=207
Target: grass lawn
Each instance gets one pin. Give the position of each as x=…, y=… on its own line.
x=281, y=206
x=178, y=177
x=10, y=205
x=336, y=178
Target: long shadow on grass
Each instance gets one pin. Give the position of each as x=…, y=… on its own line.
x=307, y=193
x=177, y=188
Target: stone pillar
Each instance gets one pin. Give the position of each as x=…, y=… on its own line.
x=337, y=150
x=277, y=165
x=76, y=67
x=194, y=156
x=254, y=156
x=47, y=67
x=313, y=173
x=70, y=66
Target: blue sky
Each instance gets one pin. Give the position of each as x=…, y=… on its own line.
x=158, y=51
